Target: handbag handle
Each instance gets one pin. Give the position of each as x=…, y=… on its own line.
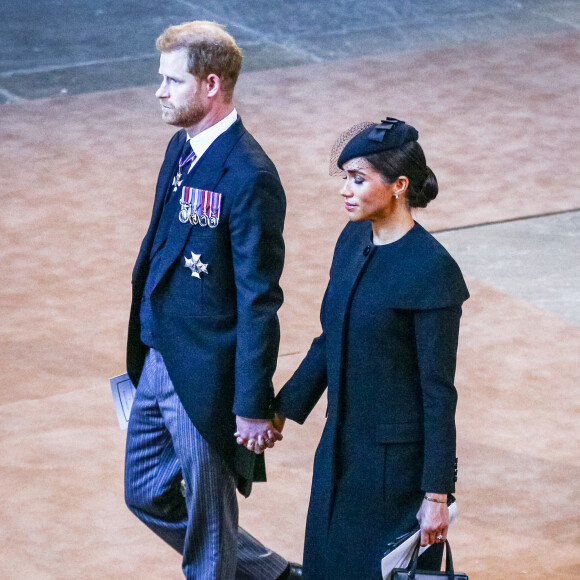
x=415, y=558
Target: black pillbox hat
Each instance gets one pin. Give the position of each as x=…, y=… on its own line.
x=388, y=134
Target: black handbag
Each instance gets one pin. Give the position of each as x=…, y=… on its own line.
x=411, y=572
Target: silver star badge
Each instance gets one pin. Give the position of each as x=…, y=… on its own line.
x=195, y=264
x=177, y=181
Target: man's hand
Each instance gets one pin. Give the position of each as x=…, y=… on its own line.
x=257, y=434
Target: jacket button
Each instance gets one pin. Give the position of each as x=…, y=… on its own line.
x=367, y=251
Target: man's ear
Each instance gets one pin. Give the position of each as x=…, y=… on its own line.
x=213, y=85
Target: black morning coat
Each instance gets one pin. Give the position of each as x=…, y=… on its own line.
x=218, y=334
x=390, y=323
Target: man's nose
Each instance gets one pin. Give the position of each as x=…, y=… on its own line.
x=162, y=90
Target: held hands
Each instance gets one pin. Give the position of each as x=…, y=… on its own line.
x=257, y=434
x=433, y=517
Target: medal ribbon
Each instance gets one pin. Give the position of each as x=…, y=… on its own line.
x=206, y=198
x=202, y=203
x=216, y=205
x=197, y=202
x=186, y=195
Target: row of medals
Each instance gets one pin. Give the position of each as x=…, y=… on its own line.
x=194, y=219
x=185, y=215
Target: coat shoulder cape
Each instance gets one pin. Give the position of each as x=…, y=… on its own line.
x=420, y=274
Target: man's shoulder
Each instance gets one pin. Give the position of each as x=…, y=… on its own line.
x=248, y=153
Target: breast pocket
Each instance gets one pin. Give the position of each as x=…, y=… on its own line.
x=403, y=457
x=199, y=231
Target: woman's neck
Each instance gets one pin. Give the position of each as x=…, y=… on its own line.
x=392, y=228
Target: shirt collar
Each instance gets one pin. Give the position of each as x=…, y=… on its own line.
x=201, y=142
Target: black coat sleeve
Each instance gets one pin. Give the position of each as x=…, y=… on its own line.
x=301, y=393
x=437, y=333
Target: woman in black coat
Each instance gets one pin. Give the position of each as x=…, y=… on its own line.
x=390, y=323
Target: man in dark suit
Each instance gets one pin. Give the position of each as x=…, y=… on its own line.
x=203, y=330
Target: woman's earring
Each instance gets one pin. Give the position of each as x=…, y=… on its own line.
x=396, y=196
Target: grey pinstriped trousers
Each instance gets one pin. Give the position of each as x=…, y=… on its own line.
x=164, y=447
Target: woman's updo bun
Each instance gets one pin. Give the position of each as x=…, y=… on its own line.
x=409, y=161
x=421, y=195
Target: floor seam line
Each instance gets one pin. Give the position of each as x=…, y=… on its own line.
x=506, y=221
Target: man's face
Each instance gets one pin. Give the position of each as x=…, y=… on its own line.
x=182, y=96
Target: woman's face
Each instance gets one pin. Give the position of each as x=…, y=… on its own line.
x=367, y=196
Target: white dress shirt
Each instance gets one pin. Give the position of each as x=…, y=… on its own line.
x=201, y=142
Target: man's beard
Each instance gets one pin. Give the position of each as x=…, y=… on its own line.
x=186, y=116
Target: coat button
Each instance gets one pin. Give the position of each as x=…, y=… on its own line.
x=367, y=251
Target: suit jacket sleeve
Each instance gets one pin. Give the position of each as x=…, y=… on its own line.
x=256, y=225
x=437, y=334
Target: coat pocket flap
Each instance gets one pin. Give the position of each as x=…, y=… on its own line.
x=400, y=433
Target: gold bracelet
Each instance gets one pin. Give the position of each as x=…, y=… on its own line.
x=434, y=500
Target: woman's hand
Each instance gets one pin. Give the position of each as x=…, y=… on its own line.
x=433, y=517
x=257, y=434
x=279, y=421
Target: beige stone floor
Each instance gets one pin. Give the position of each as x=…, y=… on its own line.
x=499, y=123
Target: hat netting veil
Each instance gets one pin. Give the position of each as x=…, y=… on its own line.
x=341, y=142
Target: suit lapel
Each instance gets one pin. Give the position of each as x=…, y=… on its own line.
x=206, y=174
x=166, y=173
